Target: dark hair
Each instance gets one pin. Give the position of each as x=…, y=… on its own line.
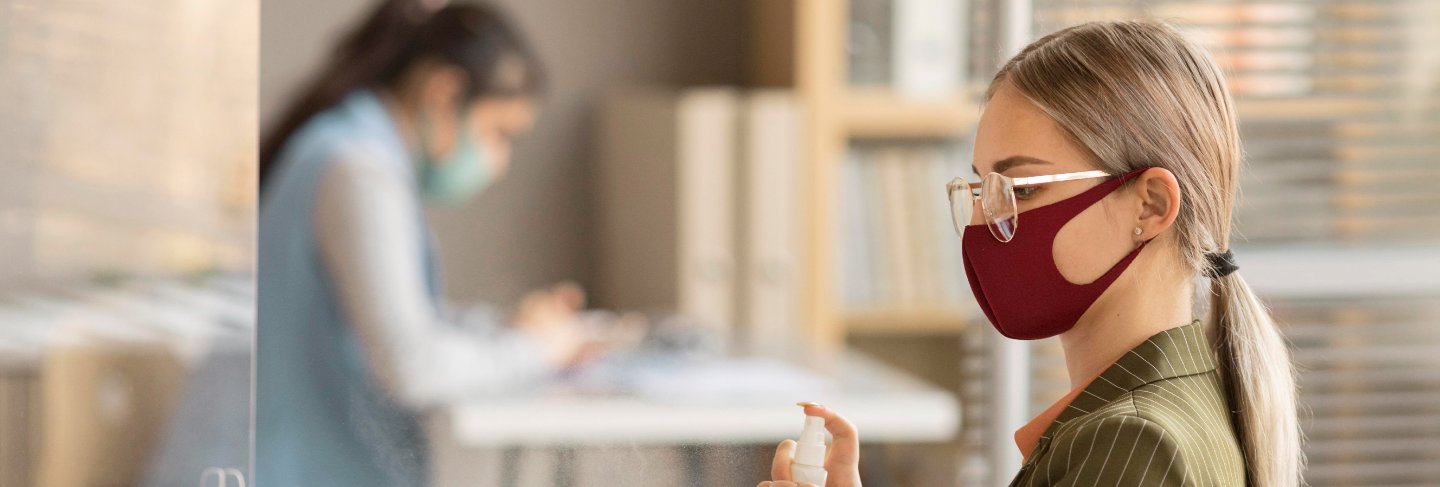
x=396, y=36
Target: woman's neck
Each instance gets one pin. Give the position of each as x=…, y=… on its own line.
x=1151, y=297
x=401, y=115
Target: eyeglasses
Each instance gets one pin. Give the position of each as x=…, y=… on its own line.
x=996, y=194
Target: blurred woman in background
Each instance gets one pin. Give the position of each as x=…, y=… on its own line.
x=1109, y=157
x=420, y=104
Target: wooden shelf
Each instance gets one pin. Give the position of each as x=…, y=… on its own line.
x=801, y=45
x=884, y=113
x=908, y=322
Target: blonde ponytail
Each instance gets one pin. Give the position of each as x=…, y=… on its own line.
x=1259, y=378
x=1138, y=94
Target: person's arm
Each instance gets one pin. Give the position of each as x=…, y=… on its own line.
x=369, y=236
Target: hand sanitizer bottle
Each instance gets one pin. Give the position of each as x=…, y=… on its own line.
x=809, y=464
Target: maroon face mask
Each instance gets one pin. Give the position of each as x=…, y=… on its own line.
x=1017, y=283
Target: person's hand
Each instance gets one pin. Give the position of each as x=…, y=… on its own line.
x=842, y=464
x=550, y=316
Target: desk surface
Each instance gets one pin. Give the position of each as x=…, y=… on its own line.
x=885, y=404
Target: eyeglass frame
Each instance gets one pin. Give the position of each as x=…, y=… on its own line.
x=952, y=187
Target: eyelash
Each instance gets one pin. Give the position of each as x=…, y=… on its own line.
x=1025, y=192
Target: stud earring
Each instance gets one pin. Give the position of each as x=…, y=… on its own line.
x=1138, y=231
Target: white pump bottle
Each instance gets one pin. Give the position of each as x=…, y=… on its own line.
x=808, y=466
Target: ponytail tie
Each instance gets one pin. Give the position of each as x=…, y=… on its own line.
x=1221, y=264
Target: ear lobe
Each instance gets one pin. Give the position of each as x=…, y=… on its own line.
x=1160, y=201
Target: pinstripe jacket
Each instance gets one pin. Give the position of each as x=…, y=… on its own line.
x=1158, y=416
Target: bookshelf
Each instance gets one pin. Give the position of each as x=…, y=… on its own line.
x=801, y=45
x=880, y=113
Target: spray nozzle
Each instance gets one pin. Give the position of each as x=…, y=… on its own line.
x=810, y=450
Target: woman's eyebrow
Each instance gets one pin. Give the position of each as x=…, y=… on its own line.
x=1010, y=162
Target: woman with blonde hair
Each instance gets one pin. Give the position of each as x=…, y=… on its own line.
x=1108, y=157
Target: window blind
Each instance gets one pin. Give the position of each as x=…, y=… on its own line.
x=1339, y=104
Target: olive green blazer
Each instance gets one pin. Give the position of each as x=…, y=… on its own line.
x=1158, y=416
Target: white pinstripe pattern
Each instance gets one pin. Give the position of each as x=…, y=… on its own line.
x=1164, y=396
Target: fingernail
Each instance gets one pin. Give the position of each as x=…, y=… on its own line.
x=806, y=404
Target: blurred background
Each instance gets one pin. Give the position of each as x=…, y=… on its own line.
x=127, y=199
x=763, y=174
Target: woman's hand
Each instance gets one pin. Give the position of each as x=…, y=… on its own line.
x=551, y=317
x=842, y=464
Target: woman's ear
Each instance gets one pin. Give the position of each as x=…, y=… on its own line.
x=441, y=86
x=1159, y=194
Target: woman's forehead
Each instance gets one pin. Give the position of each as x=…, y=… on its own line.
x=1013, y=132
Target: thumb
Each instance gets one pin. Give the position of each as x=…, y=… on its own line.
x=784, y=456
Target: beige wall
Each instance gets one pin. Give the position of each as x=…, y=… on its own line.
x=533, y=227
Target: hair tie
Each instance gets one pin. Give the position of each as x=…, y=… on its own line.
x=1221, y=264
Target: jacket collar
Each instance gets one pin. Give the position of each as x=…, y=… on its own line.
x=1176, y=352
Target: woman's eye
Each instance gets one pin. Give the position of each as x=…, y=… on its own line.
x=1025, y=192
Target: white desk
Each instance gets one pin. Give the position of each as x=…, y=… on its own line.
x=885, y=404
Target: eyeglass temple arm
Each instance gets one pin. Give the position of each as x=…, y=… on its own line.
x=1055, y=178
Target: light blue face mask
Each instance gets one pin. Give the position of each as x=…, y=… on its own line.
x=457, y=176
